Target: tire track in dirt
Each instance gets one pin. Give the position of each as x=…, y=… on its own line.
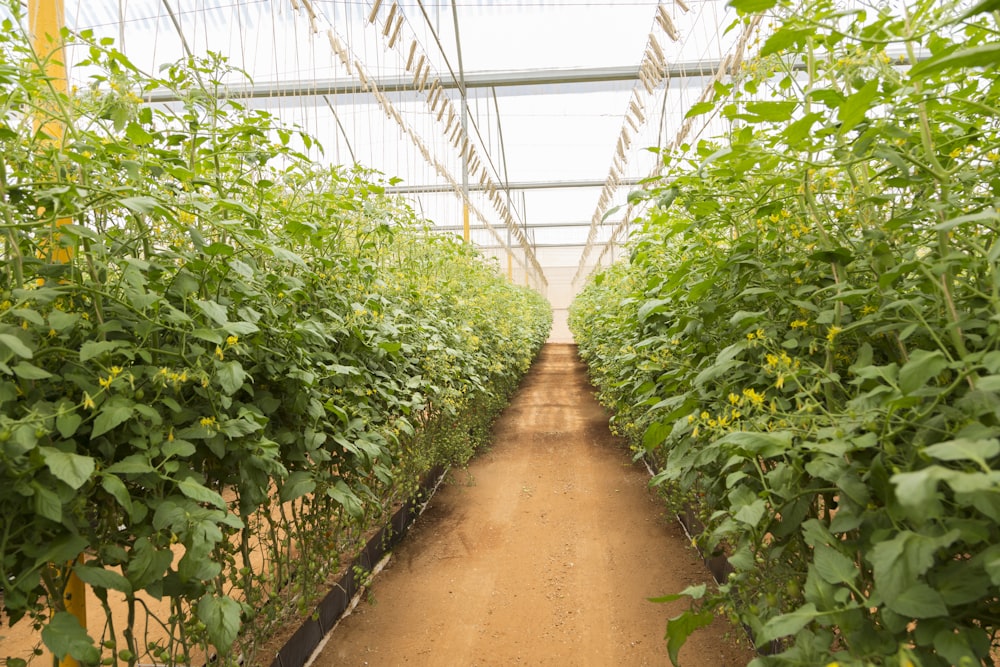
x=543, y=552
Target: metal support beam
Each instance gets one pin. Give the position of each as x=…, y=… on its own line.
x=542, y=246
x=523, y=185
x=533, y=225
x=513, y=78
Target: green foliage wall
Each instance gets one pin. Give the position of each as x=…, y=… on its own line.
x=805, y=336
x=211, y=346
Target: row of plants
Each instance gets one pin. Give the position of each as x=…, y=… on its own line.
x=805, y=339
x=221, y=364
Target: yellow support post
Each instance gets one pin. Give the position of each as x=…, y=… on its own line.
x=46, y=19
x=465, y=221
x=75, y=601
x=510, y=266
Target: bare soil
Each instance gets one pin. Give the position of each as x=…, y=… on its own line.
x=543, y=552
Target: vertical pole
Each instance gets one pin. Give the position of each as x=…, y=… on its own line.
x=465, y=127
x=45, y=22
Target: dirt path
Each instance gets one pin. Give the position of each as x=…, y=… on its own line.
x=543, y=553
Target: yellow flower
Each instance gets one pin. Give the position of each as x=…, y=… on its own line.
x=88, y=402
x=868, y=310
x=754, y=397
x=170, y=436
x=705, y=415
x=232, y=340
x=116, y=371
x=955, y=153
x=733, y=398
x=208, y=422
x=799, y=324
x=105, y=382
x=52, y=333
x=780, y=382
x=218, y=353
x=832, y=333
x=694, y=433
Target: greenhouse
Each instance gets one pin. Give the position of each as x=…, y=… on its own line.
x=479, y=332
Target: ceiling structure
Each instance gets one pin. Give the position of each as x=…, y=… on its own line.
x=532, y=119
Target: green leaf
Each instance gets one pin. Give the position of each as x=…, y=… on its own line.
x=181, y=448
x=897, y=563
x=965, y=449
x=98, y=577
x=918, y=601
x=775, y=112
x=27, y=371
x=15, y=345
x=110, y=416
x=231, y=376
x=137, y=135
x=139, y=204
x=298, y=484
x=134, y=464
x=696, y=592
x=92, y=349
x=650, y=307
x=221, y=616
x=73, y=469
x=67, y=423
x=679, y=628
x=852, y=110
x=200, y=493
x=117, y=489
x=60, y=320
x=983, y=7
x=751, y=514
x=833, y=566
x=655, y=434
x=64, y=636
x=752, y=6
x=784, y=38
x=344, y=495
x=759, y=444
x=922, y=366
x=699, y=109
x=214, y=311
x=984, y=55
x=390, y=346
x=787, y=624
x=46, y=503
x=147, y=564
x=63, y=549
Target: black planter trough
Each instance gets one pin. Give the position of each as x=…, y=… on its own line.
x=301, y=645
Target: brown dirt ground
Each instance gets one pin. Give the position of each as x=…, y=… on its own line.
x=543, y=552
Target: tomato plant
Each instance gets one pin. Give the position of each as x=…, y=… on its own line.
x=805, y=337
x=220, y=363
